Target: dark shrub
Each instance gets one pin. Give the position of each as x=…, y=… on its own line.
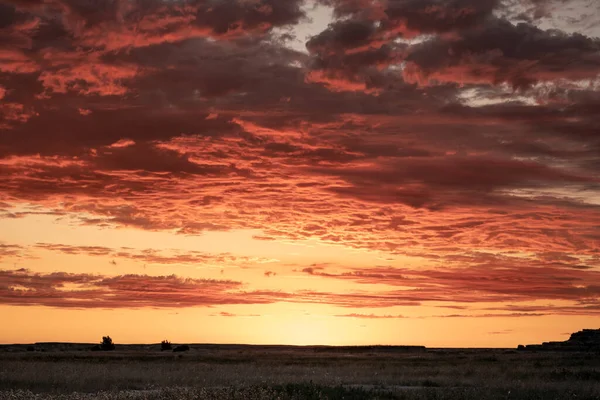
x=165, y=345
x=30, y=348
x=96, y=348
x=107, y=344
x=183, y=347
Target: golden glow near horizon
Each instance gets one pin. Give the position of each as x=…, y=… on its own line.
x=49, y=244
x=299, y=172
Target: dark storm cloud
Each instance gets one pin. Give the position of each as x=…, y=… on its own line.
x=419, y=16
x=141, y=22
x=432, y=16
x=501, y=52
x=105, y=126
x=437, y=182
x=373, y=23
x=350, y=51
x=468, y=44
x=342, y=35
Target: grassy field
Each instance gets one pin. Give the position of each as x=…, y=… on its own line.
x=213, y=372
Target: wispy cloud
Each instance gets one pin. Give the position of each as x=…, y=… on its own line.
x=490, y=279
x=159, y=257
x=369, y=316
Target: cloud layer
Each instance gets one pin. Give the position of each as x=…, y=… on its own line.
x=461, y=132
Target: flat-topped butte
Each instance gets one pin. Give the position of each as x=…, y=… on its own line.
x=584, y=340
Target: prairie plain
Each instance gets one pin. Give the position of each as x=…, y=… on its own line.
x=72, y=372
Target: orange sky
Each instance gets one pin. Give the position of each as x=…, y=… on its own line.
x=299, y=172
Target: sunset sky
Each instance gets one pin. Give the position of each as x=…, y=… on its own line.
x=337, y=172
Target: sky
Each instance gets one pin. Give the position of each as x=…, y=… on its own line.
x=343, y=172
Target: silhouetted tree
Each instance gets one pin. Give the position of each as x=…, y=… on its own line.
x=165, y=345
x=107, y=343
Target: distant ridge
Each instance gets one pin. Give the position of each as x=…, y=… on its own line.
x=584, y=340
x=67, y=346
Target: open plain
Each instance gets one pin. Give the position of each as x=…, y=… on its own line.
x=70, y=372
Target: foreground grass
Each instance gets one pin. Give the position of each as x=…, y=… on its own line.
x=304, y=391
x=483, y=374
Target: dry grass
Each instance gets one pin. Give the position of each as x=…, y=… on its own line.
x=298, y=374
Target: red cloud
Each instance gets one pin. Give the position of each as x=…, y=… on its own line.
x=369, y=316
x=64, y=290
x=153, y=256
x=84, y=291
x=89, y=78
x=133, y=291
x=397, y=132
x=490, y=279
x=14, y=113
